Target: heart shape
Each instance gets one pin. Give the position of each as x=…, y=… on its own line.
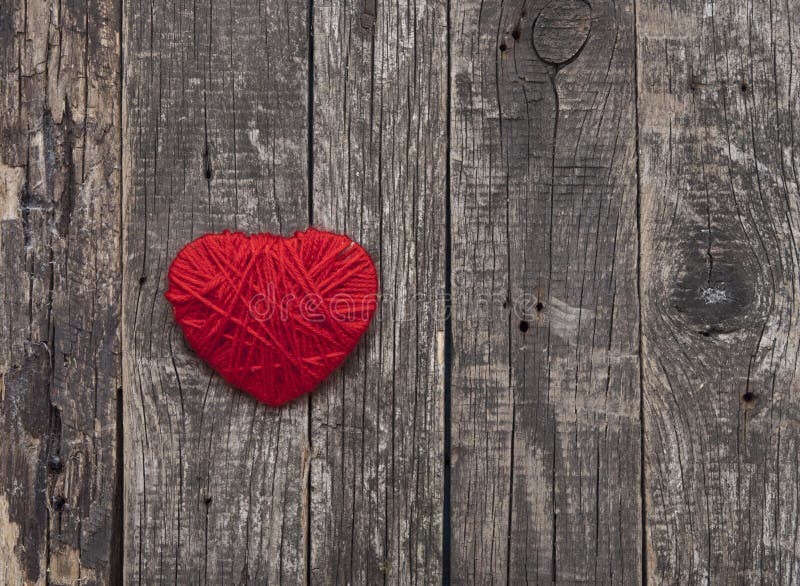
x=274, y=316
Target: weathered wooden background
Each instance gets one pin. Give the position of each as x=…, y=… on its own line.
x=586, y=219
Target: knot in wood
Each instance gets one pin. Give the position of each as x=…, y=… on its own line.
x=715, y=294
x=561, y=29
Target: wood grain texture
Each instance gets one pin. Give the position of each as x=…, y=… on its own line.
x=545, y=393
x=380, y=144
x=59, y=290
x=719, y=187
x=216, y=138
x=586, y=444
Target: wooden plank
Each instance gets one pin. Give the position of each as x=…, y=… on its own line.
x=59, y=291
x=380, y=140
x=216, y=138
x=545, y=392
x=719, y=218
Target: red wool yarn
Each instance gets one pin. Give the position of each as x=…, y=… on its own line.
x=274, y=316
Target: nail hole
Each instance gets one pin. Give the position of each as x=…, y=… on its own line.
x=540, y=307
x=503, y=47
x=142, y=280
x=748, y=397
x=523, y=326
x=744, y=86
x=55, y=465
x=516, y=34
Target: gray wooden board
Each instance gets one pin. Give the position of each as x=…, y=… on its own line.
x=554, y=439
x=215, y=138
x=719, y=187
x=545, y=391
x=380, y=138
x=59, y=291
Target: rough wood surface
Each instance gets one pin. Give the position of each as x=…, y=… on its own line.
x=380, y=146
x=545, y=393
x=719, y=193
x=543, y=423
x=59, y=291
x=215, y=137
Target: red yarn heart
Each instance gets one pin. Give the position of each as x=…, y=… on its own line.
x=274, y=316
